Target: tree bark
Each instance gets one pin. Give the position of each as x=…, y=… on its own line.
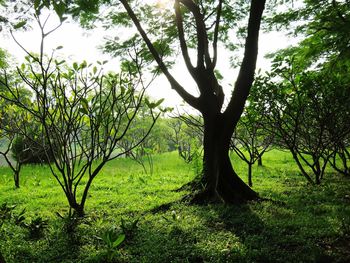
x=16, y=175
x=260, y=161
x=16, y=179
x=221, y=183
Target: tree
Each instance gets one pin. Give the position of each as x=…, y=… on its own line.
x=154, y=141
x=334, y=80
x=296, y=108
x=83, y=113
x=13, y=123
x=324, y=27
x=250, y=139
x=196, y=24
x=187, y=135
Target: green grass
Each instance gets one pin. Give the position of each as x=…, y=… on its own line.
x=301, y=223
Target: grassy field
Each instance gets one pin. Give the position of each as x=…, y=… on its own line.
x=301, y=223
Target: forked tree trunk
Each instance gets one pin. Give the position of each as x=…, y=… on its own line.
x=221, y=182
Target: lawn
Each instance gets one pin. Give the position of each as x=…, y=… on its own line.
x=297, y=223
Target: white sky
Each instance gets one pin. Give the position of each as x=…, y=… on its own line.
x=79, y=45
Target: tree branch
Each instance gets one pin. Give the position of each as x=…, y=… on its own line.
x=246, y=73
x=183, y=45
x=190, y=99
x=216, y=33
x=202, y=37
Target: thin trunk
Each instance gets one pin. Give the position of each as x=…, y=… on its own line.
x=80, y=208
x=304, y=173
x=250, y=181
x=260, y=161
x=317, y=170
x=16, y=174
x=16, y=178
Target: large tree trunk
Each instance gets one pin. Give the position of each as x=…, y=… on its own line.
x=221, y=182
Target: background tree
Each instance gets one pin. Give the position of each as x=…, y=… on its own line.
x=250, y=139
x=323, y=26
x=19, y=144
x=15, y=124
x=334, y=81
x=187, y=135
x=154, y=141
x=324, y=29
x=296, y=108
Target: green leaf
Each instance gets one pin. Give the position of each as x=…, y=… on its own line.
x=153, y=105
x=119, y=240
x=83, y=110
x=37, y=6
x=59, y=62
x=20, y=24
x=75, y=66
x=60, y=9
x=85, y=104
x=147, y=102
x=83, y=64
x=156, y=104
x=122, y=90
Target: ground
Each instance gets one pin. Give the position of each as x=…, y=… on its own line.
x=298, y=222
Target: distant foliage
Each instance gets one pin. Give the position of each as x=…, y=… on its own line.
x=28, y=151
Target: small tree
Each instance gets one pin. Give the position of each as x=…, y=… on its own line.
x=14, y=126
x=84, y=114
x=187, y=135
x=294, y=107
x=250, y=140
x=143, y=153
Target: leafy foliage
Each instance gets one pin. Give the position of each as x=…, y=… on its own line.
x=323, y=26
x=296, y=109
x=82, y=112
